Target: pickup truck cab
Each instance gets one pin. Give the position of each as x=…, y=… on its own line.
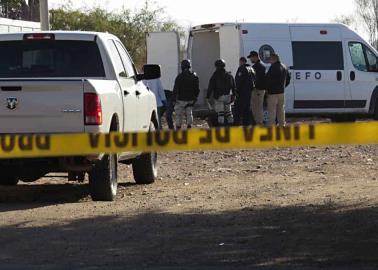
x=74, y=82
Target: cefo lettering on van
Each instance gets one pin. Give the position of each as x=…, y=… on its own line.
x=308, y=75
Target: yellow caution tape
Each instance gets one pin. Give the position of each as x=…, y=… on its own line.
x=56, y=145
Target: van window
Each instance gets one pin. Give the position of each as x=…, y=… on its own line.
x=372, y=60
x=358, y=56
x=363, y=58
x=44, y=58
x=318, y=55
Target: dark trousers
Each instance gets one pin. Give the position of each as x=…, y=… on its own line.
x=169, y=110
x=160, y=113
x=242, y=111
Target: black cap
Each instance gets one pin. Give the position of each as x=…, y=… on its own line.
x=220, y=63
x=186, y=64
x=253, y=54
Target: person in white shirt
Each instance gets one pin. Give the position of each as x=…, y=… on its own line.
x=157, y=88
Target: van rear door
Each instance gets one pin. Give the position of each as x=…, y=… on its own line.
x=318, y=69
x=230, y=46
x=163, y=48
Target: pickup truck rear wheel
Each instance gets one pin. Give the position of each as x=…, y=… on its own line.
x=103, y=179
x=145, y=166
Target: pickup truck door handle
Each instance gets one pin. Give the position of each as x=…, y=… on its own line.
x=126, y=93
x=352, y=75
x=339, y=76
x=138, y=93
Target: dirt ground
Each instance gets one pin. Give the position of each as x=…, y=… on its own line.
x=306, y=208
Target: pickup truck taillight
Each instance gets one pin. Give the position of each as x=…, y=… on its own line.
x=92, y=109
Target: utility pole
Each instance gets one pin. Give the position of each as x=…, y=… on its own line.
x=44, y=11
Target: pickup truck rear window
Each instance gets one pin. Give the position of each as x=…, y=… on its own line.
x=50, y=58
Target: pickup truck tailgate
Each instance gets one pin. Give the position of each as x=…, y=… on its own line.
x=41, y=106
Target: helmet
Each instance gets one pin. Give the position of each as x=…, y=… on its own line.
x=220, y=63
x=186, y=64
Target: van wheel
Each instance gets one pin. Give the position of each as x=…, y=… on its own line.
x=145, y=166
x=8, y=181
x=103, y=179
x=344, y=119
x=376, y=111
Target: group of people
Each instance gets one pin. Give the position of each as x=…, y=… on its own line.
x=254, y=86
x=248, y=91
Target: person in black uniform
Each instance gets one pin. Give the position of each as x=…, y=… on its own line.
x=222, y=88
x=185, y=94
x=245, y=83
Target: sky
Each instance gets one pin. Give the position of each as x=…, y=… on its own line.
x=196, y=12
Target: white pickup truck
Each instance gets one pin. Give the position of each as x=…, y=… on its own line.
x=74, y=82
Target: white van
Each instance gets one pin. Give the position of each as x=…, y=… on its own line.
x=334, y=70
x=14, y=26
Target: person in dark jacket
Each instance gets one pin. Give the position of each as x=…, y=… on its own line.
x=278, y=78
x=258, y=94
x=222, y=88
x=185, y=94
x=245, y=83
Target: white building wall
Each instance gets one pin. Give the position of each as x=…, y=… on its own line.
x=9, y=26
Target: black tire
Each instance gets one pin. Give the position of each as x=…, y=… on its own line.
x=376, y=111
x=8, y=181
x=344, y=119
x=145, y=166
x=103, y=179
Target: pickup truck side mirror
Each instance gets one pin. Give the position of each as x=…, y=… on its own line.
x=151, y=72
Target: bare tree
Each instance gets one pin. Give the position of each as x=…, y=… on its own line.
x=346, y=19
x=367, y=11
x=33, y=10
